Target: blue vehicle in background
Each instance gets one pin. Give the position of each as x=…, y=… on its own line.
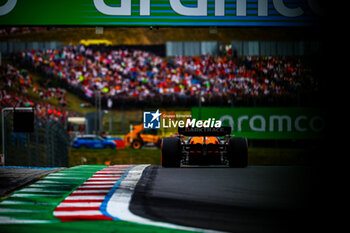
x=93, y=142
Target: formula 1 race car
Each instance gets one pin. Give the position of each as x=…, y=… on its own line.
x=203, y=146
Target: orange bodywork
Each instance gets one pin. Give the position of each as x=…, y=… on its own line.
x=137, y=134
x=202, y=140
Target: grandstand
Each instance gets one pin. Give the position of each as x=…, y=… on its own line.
x=134, y=78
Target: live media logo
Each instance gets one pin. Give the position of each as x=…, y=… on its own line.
x=151, y=120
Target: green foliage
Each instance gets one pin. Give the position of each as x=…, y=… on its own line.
x=112, y=156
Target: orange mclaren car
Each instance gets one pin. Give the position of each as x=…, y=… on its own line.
x=203, y=146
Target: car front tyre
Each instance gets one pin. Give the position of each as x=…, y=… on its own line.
x=136, y=144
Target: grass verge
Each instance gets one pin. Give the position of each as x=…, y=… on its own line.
x=257, y=156
x=112, y=156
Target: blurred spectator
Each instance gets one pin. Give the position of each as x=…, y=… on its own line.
x=137, y=77
x=15, y=83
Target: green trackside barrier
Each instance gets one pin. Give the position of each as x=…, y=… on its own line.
x=160, y=13
x=268, y=123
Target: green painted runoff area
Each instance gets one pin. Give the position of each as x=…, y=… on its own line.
x=31, y=208
x=37, y=201
x=85, y=226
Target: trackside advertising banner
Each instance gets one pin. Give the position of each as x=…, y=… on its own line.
x=267, y=123
x=161, y=12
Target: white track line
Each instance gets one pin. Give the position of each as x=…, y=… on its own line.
x=99, y=179
x=92, y=191
x=47, y=185
x=9, y=210
x=42, y=190
x=80, y=204
x=5, y=202
x=85, y=197
x=9, y=220
x=77, y=213
x=96, y=186
x=35, y=195
x=109, y=175
x=63, y=177
x=48, y=182
x=110, y=172
x=99, y=182
x=118, y=205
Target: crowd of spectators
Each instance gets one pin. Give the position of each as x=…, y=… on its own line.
x=11, y=77
x=134, y=77
x=21, y=80
x=14, y=87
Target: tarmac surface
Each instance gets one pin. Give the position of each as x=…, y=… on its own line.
x=253, y=199
x=13, y=178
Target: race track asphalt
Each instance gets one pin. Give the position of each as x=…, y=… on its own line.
x=252, y=199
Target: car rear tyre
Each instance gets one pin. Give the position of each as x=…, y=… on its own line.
x=109, y=147
x=171, y=152
x=159, y=143
x=238, y=152
x=136, y=144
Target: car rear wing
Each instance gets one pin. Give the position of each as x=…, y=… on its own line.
x=211, y=131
